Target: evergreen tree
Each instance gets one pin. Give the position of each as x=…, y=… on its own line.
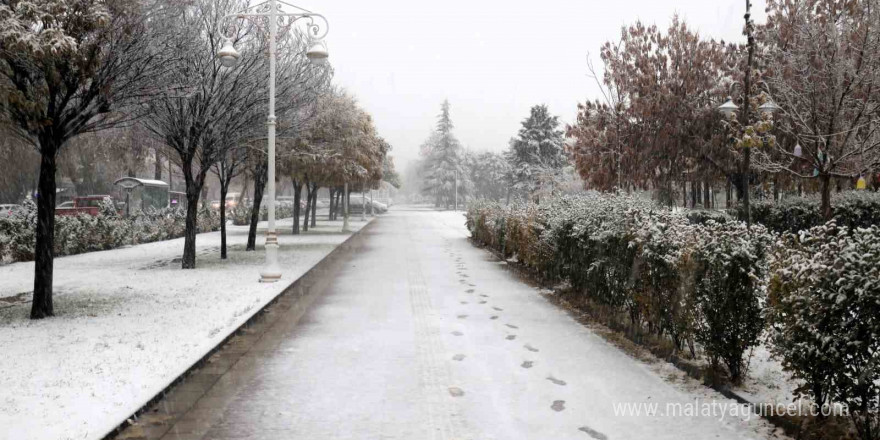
x=536, y=156
x=443, y=168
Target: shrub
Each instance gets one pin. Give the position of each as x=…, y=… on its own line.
x=851, y=209
x=241, y=214
x=647, y=262
x=825, y=316
x=731, y=277
x=86, y=233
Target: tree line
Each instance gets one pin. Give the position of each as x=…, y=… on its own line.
x=143, y=76
x=656, y=125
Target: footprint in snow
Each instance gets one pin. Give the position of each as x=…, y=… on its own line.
x=593, y=433
x=510, y=337
x=558, y=405
x=470, y=291
x=530, y=348
x=484, y=295
x=511, y=326
x=527, y=364
x=498, y=308
x=482, y=302
x=493, y=317
x=458, y=357
x=464, y=302
x=456, y=392
x=462, y=316
x=457, y=333
x=556, y=381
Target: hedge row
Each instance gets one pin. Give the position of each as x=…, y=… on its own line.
x=852, y=209
x=707, y=280
x=693, y=283
x=241, y=214
x=86, y=233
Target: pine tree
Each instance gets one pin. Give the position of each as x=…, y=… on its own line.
x=443, y=167
x=536, y=156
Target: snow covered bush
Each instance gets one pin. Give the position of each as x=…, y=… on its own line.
x=241, y=214
x=825, y=317
x=623, y=254
x=82, y=233
x=17, y=238
x=730, y=273
x=793, y=214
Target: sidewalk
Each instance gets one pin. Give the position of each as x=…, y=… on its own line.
x=417, y=334
x=130, y=321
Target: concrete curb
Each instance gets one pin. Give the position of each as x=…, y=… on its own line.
x=258, y=320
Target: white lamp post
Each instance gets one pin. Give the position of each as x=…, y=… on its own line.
x=318, y=54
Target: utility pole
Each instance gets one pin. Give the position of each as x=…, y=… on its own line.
x=747, y=92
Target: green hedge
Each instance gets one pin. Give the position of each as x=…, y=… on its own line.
x=852, y=209
x=688, y=282
x=87, y=233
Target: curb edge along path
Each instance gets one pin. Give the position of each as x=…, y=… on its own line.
x=170, y=406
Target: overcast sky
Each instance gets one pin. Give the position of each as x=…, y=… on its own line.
x=493, y=60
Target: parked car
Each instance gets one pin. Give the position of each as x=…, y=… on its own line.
x=357, y=203
x=8, y=210
x=90, y=205
x=67, y=204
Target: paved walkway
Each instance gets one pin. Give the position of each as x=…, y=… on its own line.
x=420, y=335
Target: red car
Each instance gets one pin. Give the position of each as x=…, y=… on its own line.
x=90, y=205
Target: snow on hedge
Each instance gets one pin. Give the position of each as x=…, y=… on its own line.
x=710, y=282
x=82, y=233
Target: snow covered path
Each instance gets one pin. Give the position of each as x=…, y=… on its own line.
x=420, y=335
x=128, y=322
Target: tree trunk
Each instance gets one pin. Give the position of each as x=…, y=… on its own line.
x=314, y=205
x=157, y=173
x=695, y=194
x=826, y=196
x=192, y=226
x=727, y=196
x=707, y=199
x=684, y=192
x=44, y=253
x=297, y=196
x=330, y=208
x=746, y=183
x=775, y=188
x=259, y=185
x=305, y=225
x=224, y=187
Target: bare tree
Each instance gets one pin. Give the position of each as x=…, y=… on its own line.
x=231, y=164
x=66, y=68
x=823, y=62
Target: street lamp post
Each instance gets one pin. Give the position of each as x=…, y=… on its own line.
x=729, y=108
x=317, y=54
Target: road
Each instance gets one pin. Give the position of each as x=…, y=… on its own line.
x=421, y=335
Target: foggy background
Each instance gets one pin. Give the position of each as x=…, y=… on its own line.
x=493, y=60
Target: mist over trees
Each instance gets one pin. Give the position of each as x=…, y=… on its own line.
x=536, y=155
x=442, y=161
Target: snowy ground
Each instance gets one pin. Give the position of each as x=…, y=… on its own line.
x=423, y=336
x=129, y=321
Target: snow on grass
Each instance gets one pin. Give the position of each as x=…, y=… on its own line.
x=128, y=322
